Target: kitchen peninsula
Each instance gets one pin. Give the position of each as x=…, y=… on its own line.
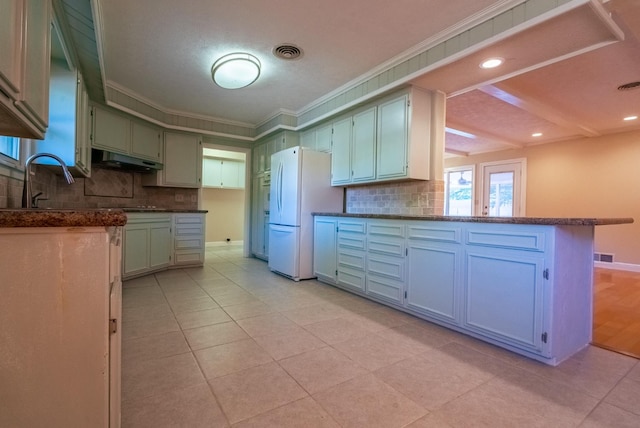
x=60, y=316
x=525, y=283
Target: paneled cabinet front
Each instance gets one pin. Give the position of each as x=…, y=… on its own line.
x=117, y=133
x=147, y=244
x=493, y=281
x=24, y=67
x=183, y=162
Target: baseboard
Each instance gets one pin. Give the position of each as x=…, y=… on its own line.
x=617, y=266
x=223, y=243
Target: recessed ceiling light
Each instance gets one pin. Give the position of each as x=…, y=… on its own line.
x=491, y=62
x=537, y=134
x=630, y=118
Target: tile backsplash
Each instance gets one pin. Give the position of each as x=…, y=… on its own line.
x=105, y=189
x=406, y=198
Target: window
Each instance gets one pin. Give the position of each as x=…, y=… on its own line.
x=10, y=147
x=459, y=191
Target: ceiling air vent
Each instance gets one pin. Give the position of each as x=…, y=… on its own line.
x=628, y=86
x=287, y=51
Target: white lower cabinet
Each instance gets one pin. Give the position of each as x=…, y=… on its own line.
x=527, y=288
x=157, y=241
x=434, y=270
x=351, y=251
x=386, y=260
x=147, y=243
x=325, y=262
x=188, y=239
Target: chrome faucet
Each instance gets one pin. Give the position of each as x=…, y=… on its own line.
x=27, y=198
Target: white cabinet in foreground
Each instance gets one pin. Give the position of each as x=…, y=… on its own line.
x=524, y=287
x=60, y=327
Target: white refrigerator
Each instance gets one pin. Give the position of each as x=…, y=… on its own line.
x=300, y=185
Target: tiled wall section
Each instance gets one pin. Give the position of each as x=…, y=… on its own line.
x=409, y=198
x=63, y=195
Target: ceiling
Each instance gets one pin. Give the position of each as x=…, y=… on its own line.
x=160, y=52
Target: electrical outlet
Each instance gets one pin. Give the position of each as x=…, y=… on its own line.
x=194, y=198
x=179, y=197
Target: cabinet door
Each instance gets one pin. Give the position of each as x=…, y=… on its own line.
x=392, y=139
x=111, y=131
x=341, y=152
x=230, y=173
x=258, y=159
x=505, y=292
x=183, y=164
x=146, y=142
x=363, y=146
x=433, y=279
x=34, y=99
x=258, y=218
x=83, y=128
x=11, y=22
x=159, y=245
x=212, y=172
x=325, y=244
x=136, y=249
x=308, y=139
x=323, y=138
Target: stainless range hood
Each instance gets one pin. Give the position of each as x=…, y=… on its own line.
x=123, y=162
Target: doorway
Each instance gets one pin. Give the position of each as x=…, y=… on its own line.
x=224, y=194
x=503, y=185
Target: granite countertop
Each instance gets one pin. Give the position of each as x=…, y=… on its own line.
x=61, y=217
x=161, y=210
x=561, y=221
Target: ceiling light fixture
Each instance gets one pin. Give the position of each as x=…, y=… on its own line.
x=491, y=62
x=236, y=70
x=630, y=118
x=537, y=134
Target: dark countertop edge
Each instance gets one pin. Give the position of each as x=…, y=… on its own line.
x=500, y=220
x=62, y=218
x=162, y=210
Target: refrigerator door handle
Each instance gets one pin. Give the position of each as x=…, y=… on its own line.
x=280, y=177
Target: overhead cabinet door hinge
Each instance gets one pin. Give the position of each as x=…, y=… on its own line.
x=405, y=294
x=113, y=326
x=545, y=273
x=544, y=337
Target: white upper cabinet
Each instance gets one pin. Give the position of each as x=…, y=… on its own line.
x=183, y=162
x=354, y=148
x=146, y=141
x=390, y=140
x=363, y=146
x=341, y=152
x=318, y=139
x=223, y=173
x=117, y=133
x=24, y=67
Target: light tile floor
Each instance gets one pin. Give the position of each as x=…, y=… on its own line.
x=232, y=344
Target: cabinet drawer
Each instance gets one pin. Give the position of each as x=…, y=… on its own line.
x=439, y=234
x=352, y=241
x=186, y=230
x=387, y=229
x=351, y=259
x=391, y=267
x=392, y=247
x=352, y=226
x=385, y=288
x=523, y=240
x=189, y=243
x=188, y=257
x=189, y=219
x=351, y=278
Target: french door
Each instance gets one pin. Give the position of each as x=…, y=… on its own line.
x=503, y=185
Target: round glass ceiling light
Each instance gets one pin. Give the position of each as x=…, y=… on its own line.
x=491, y=62
x=235, y=71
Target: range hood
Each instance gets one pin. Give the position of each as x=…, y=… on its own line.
x=123, y=162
